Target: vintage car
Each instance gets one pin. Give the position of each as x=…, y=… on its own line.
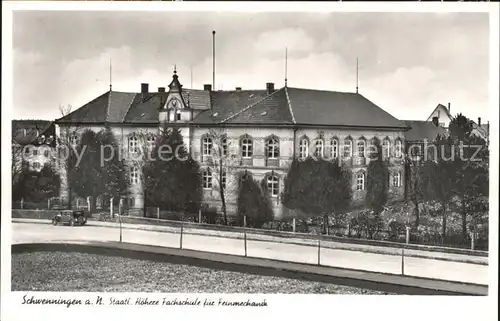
x=70, y=217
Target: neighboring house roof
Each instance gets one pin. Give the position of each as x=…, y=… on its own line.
x=423, y=130
x=440, y=106
x=37, y=131
x=483, y=131
x=283, y=106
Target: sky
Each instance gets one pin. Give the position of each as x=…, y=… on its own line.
x=408, y=62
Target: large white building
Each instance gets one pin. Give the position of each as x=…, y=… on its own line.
x=264, y=129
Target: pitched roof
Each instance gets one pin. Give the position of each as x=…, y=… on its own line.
x=447, y=111
x=283, y=106
x=35, y=129
x=272, y=109
x=227, y=104
x=423, y=130
x=319, y=107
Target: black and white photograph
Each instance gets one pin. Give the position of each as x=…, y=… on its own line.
x=238, y=157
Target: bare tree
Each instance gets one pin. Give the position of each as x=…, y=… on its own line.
x=222, y=165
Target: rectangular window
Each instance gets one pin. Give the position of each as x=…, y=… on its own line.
x=360, y=182
x=207, y=179
x=134, y=175
x=46, y=153
x=35, y=152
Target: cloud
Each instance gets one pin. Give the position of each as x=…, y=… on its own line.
x=408, y=62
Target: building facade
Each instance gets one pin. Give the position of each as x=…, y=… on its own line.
x=262, y=130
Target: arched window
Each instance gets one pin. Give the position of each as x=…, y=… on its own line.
x=133, y=144
x=334, y=148
x=399, y=149
x=207, y=178
x=246, y=147
x=360, y=181
x=361, y=148
x=134, y=175
x=386, y=147
x=303, y=148
x=347, y=148
x=206, y=146
x=318, y=148
x=396, y=180
x=273, y=185
x=272, y=148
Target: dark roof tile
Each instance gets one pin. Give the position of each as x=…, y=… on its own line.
x=423, y=130
x=317, y=107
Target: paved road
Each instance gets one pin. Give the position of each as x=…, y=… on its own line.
x=422, y=267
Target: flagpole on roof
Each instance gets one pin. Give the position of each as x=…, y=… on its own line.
x=357, y=75
x=110, y=75
x=286, y=66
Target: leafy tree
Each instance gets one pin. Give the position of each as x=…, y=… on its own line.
x=113, y=170
x=317, y=187
x=173, y=180
x=471, y=160
x=36, y=186
x=85, y=177
x=251, y=202
x=439, y=178
x=377, y=182
x=267, y=212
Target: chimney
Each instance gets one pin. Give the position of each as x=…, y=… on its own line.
x=238, y=88
x=144, y=90
x=270, y=87
x=161, y=89
x=449, y=107
x=479, y=121
x=207, y=87
x=435, y=121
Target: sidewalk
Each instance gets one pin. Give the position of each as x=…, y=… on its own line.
x=296, y=241
x=362, y=279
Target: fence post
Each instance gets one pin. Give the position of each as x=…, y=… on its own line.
x=403, y=262
x=245, y=238
x=22, y=203
x=199, y=216
x=111, y=212
x=244, y=221
x=158, y=212
x=88, y=203
x=472, y=239
x=77, y=203
x=407, y=235
x=293, y=224
x=319, y=249
x=182, y=230
x=48, y=204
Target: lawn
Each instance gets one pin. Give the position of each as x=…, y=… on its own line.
x=73, y=272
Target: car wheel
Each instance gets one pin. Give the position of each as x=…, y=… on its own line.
x=54, y=222
x=71, y=222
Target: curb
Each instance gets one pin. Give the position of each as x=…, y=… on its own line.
x=362, y=279
x=251, y=238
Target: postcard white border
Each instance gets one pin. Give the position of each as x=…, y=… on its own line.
x=280, y=306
